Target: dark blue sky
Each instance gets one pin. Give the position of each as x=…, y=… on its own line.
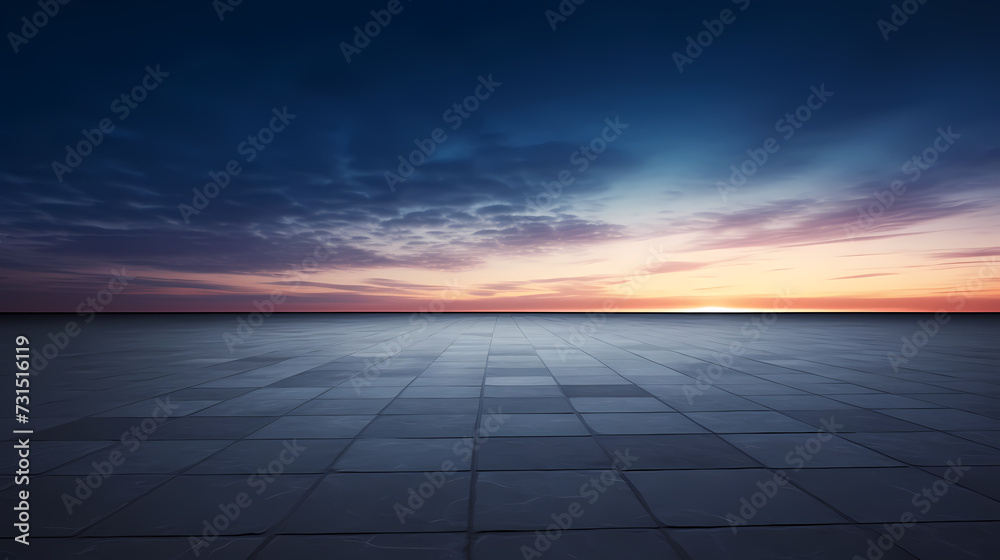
x=475, y=212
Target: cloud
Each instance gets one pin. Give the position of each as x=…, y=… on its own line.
x=870, y=275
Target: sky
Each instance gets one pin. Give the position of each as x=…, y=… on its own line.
x=501, y=156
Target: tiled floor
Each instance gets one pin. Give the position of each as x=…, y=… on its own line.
x=491, y=436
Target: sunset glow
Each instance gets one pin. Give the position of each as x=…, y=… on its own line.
x=543, y=174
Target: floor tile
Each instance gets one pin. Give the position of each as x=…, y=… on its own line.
x=528, y=500
x=827, y=542
x=728, y=498
x=797, y=451
x=641, y=544
x=687, y=451
x=274, y=456
x=312, y=427
x=884, y=495
x=927, y=448
x=388, y=455
x=386, y=503
x=422, y=426
x=748, y=422
x=641, y=423
x=541, y=453
x=260, y=502
x=619, y=404
x=403, y=546
x=541, y=425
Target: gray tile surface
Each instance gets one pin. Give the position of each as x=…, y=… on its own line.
x=481, y=429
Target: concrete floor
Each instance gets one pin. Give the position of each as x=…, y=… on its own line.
x=511, y=436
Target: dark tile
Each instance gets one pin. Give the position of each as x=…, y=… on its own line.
x=178, y=408
x=388, y=455
x=852, y=420
x=100, y=429
x=946, y=419
x=274, y=456
x=519, y=381
x=201, y=498
x=440, y=393
x=541, y=425
x=539, y=405
x=619, y=404
x=884, y=400
x=604, y=391
x=797, y=402
x=990, y=438
x=422, y=426
x=733, y=497
x=710, y=402
x=144, y=457
x=641, y=544
x=64, y=505
x=251, y=407
x=349, y=391
x=315, y=427
x=218, y=427
x=195, y=394
x=641, y=423
x=402, y=546
x=766, y=388
x=172, y=548
x=528, y=500
x=385, y=503
x=982, y=479
x=685, y=451
x=828, y=542
x=52, y=454
x=541, y=453
x=433, y=406
x=797, y=451
x=884, y=495
x=522, y=392
x=448, y=381
x=338, y=407
x=952, y=540
x=928, y=448
x=748, y=422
